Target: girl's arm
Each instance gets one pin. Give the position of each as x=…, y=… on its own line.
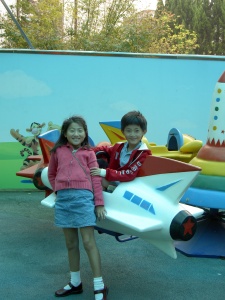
x=96, y=181
x=100, y=212
x=52, y=170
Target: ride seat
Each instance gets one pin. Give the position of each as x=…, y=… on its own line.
x=175, y=140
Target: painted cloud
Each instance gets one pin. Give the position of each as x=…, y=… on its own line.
x=17, y=84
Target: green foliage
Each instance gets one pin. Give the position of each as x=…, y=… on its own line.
x=160, y=9
x=218, y=25
x=42, y=23
x=158, y=35
x=203, y=26
x=97, y=25
x=206, y=18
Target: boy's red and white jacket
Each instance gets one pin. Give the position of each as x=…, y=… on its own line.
x=128, y=172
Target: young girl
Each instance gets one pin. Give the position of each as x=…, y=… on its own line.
x=79, y=201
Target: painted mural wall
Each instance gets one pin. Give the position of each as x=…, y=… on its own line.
x=39, y=89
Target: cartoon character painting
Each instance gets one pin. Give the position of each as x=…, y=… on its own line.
x=52, y=126
x=31, y=143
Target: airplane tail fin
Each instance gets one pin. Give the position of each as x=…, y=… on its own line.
x=165, y=246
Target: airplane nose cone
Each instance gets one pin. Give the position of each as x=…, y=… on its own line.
x=37, y=181
x=183, y=226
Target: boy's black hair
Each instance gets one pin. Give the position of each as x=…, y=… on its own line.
x=62, y=140
x=134, y=118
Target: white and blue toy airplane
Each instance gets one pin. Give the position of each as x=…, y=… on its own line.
x=147, y=207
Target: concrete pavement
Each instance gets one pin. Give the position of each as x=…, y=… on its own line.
x=33, y=261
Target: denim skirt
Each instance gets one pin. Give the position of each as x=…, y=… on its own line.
x=74, y=208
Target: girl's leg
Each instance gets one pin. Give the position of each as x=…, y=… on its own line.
x=72, y=245
x=90, y=246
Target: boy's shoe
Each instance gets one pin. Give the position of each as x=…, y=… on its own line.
x=74, y=290
x=111, y=188
x=103, y=291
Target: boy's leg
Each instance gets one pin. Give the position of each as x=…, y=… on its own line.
x=105, y=184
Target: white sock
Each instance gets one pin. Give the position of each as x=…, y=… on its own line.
x=75, y=280
x=98, y=285
x=67, y=287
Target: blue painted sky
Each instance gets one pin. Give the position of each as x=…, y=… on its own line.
x=171, y=91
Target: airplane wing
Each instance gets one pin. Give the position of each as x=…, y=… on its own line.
x=195, y=211
x=137, y=223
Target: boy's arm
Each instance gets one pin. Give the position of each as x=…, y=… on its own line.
x=103, y=154
x=129, y=171
x=102, y=148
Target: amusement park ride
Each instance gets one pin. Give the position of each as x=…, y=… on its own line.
x=177, y=200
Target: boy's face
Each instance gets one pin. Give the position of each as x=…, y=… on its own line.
x=133, y=135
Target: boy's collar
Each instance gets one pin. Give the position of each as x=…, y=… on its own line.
x=143, y=146
x=139, y=145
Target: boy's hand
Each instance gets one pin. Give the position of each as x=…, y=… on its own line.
x=95, y=171
x=100, y=212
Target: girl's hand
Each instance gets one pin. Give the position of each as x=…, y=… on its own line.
x=100, y=212
x=95, y=171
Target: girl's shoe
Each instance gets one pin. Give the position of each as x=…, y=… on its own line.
x=74, y=290
x=103, y=291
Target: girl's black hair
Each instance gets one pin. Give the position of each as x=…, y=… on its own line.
x=62, y=140
x=134, y=118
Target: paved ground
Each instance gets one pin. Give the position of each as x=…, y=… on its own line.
x=33, y=261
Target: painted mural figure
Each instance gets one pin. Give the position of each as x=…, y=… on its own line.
x=52, y=126
x=31, y=143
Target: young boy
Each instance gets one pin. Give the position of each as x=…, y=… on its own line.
x=125, y=158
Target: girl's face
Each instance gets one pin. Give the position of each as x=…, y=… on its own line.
x=75, y=135
x=133, y=135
